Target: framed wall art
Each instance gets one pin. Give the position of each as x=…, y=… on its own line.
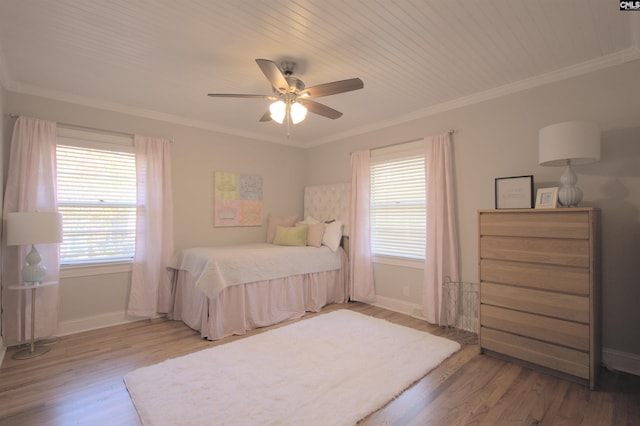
x=514, y=192
x=237, y=199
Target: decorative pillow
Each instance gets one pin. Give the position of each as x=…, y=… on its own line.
x=290, y=236
x=310, y=221
x=332, y=235
x=315, y=232
x=274, y=221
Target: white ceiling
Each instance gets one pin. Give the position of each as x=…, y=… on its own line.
x=159, y=58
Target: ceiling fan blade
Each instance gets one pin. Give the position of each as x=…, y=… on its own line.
x=266, y=117
x=318, y=108
x=235, y=95
x=274, y=75
x=332, y=88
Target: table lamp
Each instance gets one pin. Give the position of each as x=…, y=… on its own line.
x=31, y=228
x=564, y=144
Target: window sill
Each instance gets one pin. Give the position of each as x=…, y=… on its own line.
x=72, y=271
x=399, y=261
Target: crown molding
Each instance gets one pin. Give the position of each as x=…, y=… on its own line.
x=32, y=90
x=630, y=54
x=618, y=58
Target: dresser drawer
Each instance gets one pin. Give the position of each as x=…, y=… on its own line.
x=556, y=305
x=563, y=224
x=544, y=277
x=565, y=333
x=536, y=250
x=559, y=358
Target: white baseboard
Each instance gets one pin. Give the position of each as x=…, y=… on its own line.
x=92, y=323
x=415, y=310
x=621, y=361
x=3, y=350
x=95, y=322
x=395, y=305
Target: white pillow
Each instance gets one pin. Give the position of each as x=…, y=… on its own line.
x=332, y=235
x=310, y=221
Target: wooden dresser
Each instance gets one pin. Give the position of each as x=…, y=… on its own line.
x=539, y=276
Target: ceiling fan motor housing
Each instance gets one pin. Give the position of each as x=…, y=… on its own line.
x=296, y=86
x=287, y=67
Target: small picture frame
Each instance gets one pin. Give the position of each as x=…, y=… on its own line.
x=514, y=192
x=547, y=198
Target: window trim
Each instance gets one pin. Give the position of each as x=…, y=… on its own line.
x=389, y=154
x=92, y=269
x=395, y=151
x=406, y=262
x=95, y=139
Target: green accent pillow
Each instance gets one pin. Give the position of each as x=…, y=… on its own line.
x=290, y=236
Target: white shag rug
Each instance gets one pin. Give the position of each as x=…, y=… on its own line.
x=332, y=369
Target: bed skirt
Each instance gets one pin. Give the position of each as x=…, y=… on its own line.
x=240, y=308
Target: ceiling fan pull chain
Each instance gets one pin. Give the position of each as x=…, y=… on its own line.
x=288, y=121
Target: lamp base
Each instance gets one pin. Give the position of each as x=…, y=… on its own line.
x=34, y=271
x=31, y=353
x=569, y=195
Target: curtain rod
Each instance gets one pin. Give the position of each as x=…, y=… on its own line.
x=76, y=126
x=450, y=131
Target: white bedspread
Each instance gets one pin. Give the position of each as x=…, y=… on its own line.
x=215, y=268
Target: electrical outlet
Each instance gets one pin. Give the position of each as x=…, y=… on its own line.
x=406, y=291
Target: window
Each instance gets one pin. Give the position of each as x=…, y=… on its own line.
x=398, y=204
x=96, y=196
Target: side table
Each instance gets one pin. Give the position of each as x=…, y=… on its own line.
x=33, y=350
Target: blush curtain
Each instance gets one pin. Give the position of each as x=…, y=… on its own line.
x=150, y=282
x=31, y=186
x=441, y=257
x=361, y=266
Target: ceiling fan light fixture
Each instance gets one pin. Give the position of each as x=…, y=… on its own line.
x=298, y=112
x=288, y=90
x=278, y=111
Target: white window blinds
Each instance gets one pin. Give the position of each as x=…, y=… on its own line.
x=97, y=198
x=398, y=217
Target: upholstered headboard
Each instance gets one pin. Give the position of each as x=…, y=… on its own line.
x=328, y=202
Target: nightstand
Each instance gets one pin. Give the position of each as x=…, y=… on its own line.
x=33, y=350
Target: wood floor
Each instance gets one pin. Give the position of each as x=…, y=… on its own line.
x=79, y=381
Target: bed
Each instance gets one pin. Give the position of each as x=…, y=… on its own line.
x=221, y=291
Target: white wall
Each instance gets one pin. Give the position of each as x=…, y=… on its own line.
x=90, y=301
x=498, y=138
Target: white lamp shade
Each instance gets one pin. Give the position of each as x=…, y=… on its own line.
x=278, y=111
x=578, y=141
x=298, y=112
x=34, y=228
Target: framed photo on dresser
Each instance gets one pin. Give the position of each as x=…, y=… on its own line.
x=514, y=192
x=547, y=198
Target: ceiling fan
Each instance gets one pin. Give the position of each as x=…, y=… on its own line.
x=292, y=99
